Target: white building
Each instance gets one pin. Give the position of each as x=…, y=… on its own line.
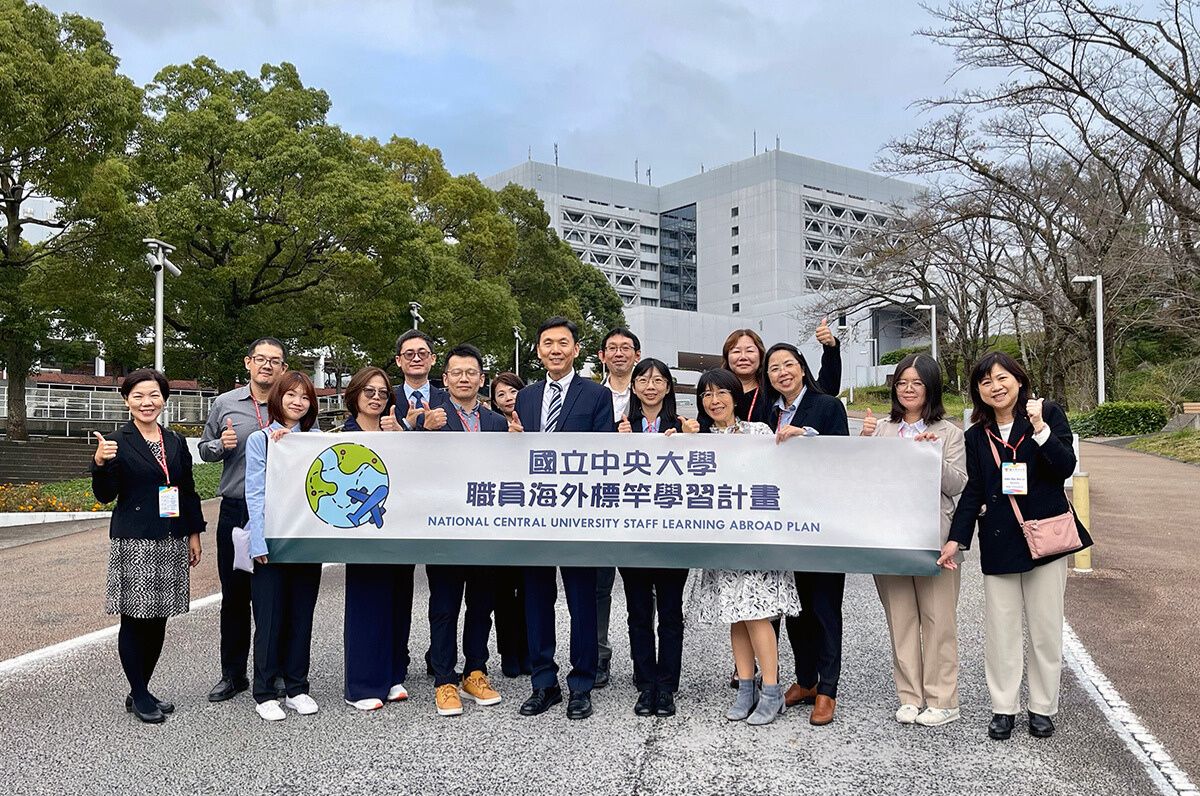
x=750, y=244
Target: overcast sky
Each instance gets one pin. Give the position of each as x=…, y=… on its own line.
x=673, y=84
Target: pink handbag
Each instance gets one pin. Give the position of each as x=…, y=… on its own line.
x=1049, y=536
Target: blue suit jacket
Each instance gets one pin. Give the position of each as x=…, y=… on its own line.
x=437, y=396
x=488, y=420
x=587, y=406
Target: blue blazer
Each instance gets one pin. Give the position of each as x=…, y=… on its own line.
x=437, y=396
x=488, y=420
x=587, y=406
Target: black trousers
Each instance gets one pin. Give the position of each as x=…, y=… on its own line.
x=816, y=634
x=447, y=585
x=139, y=644
x=235, y=592
x=378, y=620
x=512, y=641
x=541, y=593
x=285, y=596
x=644, y=589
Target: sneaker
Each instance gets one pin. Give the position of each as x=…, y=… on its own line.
x=936, y=717
x=476, y=686
x=397, y=693
x=448, y=703
x=366, y=704
x=907, y=714
x=270, y=710
x=302, y=704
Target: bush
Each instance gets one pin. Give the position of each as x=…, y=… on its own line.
x=1120, y=419
x=188, y=429
x=76, y=494
x=894, y=357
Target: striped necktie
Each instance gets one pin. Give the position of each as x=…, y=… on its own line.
x=555, y=407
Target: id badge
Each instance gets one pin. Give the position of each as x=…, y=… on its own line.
x=168, y=501
x=1014, y=478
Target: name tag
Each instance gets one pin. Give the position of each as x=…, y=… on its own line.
x=168, y=501
x=1014, y=478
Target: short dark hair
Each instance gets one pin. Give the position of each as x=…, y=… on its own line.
x=413, y=334
x=275, y=341
x=931, y=376
x=554, y=323
x=668, y=414
x=720, y=379
x=621, y=331
x=508, y=379
x=982, y=413
x=289, y=381
x=145, y=374
x=359, y=381
x=809, y=382
x=466, y=350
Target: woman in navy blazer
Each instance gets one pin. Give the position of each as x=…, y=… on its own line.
x=155, y=532
x=1035, y=435
x=798, y=408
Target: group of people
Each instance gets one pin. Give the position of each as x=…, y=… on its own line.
x=770, y=392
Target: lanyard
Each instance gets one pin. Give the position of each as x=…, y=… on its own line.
x=1005, y=445
x=258, y=414
x=753, y=401
x=161, y=456
x=652, y=428
x=466, y=421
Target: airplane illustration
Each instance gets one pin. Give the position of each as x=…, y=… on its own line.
x=370, y=503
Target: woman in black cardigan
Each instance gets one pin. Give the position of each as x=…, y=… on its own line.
x=1033, y=434
x=155, y=532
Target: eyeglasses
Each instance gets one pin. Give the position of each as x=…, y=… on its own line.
x=619, y=349
x=645, y=381
x=775, y=369
x=416, y=356
x=260, y=360
x=710, y=395
x=458, y=373
x=372, y=392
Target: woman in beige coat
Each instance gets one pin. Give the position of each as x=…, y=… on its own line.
x=922, y=611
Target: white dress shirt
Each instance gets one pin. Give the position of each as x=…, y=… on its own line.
x=548, y=394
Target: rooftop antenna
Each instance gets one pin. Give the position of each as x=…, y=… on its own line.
x=637, y=175
x=756, y=142
x=649, y=181
x=701, y=168
x=776, y=142
x=530, y=154
x=556, y=154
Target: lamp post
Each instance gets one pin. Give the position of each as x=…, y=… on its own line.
x=414, y=309
x=156, y=258
x=1099, y=280
x=932, y=327
x=844, y=333
x=517, y=350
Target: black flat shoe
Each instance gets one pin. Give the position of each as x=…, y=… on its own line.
x=541, y=700
x=429, y=663
x=164, y=707
x=1001, y=726
x=154, y=716
x=664, y=704
x=227, y=688
x=645, y=704
x=1040, y=726
x=602, y=674
x=579, y=706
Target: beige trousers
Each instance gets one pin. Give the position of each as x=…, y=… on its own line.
x=922, y=617
x=1038, y=596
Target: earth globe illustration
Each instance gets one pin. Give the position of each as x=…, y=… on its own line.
x=347, y=486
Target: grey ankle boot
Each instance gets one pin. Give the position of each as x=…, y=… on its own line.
x=742, y=707
x=770, y=705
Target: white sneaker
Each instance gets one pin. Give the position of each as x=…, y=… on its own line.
x=270, y=710
x=397, y=693
x=936, y=717
x=302, y=704
x=366, y=704
x=907, y=714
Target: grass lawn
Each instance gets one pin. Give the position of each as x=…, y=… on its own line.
x=1182, y=445
x=878, y=401
x=76, y=494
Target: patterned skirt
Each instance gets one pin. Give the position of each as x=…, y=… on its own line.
x=148, y=578
x=726, y=596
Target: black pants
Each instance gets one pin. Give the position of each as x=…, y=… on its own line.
x=235, y=592
x=447, y=585
x=816, y=634
x=139, y=644
x=512, y=641
x=644, y=588
x=378, y=620
x=285, y=596
x=541, y=593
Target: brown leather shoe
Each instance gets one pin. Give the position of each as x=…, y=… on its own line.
x=796, y=694
x=822, y=712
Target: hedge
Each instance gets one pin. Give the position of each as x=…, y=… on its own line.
x=894, y=357
x=1120, y=419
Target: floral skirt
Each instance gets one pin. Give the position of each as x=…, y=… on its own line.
x=148, y=578
x=727, y=596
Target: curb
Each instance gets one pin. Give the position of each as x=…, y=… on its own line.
x=9, y=519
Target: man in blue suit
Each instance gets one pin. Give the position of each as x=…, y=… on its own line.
x=418, y=403
x=563, y=401
x=463, y=377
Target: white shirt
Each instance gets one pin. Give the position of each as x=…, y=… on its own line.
x=548, y=394
x=910, y=430
x=620, y=401
x=1040, y=437
x=786, y=413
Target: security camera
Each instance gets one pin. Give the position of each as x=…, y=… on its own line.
x=171, y=267
x=152, y=261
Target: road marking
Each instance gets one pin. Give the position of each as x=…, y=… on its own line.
x=1170, y=779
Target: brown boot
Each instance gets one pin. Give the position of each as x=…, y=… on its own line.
x=822, y=712
x=797, y=694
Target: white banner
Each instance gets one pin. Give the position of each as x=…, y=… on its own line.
x=841, y=504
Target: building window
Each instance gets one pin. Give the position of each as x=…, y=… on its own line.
x=733, y=212
x=735, y=269
x=649, y=230
x=736, y=287
x=733, y=231
x=650, y=268
x=649, y=249
x=646, y=283
x=733, y=250
x=737, y=307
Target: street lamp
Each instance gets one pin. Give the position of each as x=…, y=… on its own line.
x=932, y=326
x=414, y=309
x=156, y=258
x=517, y=350
x=1099, y=280
x=874, y=350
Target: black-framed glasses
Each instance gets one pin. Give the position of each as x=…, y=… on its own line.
x=416, y=356
x=260, y=360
